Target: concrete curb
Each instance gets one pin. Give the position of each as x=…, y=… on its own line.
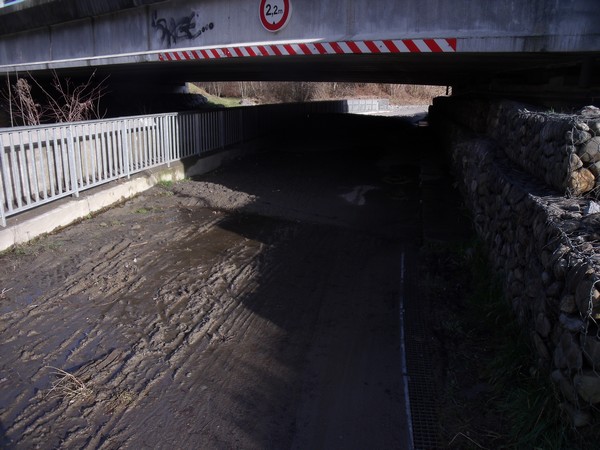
x=60, y=213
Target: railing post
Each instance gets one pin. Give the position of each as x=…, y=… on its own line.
x=241, y=125
x=222, y=129
x=2, y=198
x=125, y=148
x=166, y=145
x=177, y=136
x=72, y=162
x=198, y=134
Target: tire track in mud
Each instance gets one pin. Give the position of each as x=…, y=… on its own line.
x=179, y=322
x=194, y=327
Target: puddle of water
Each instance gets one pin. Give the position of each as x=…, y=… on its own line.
x=12, y=300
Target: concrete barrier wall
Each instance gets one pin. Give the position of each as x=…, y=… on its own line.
x=543, y=243
x=367, y=105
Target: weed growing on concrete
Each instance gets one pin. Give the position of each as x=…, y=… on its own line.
x=166, y=184
x=143, y=210
x=21, y=250
x=26, y=249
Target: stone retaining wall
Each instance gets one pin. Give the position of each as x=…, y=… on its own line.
x=560, y=149
x=545, y=244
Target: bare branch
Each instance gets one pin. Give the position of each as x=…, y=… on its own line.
x=64, y=102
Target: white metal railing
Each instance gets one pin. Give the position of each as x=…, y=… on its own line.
x=44, y=163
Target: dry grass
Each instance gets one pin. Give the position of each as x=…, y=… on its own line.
x=290, y=91
x=67, y=386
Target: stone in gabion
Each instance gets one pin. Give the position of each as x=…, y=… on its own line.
x=585, y=296
x=542, y=325
x=581, y=181
x=575, y=162
x=565, y=386
x=567, y=304
x=567, y=354
x=589, y=152
x=589, y=111
x=587, y=385
x=540, y=346
x=591, y=208
x=577, y=137
x=580, y=418
x=571, y=323
x=591, y=350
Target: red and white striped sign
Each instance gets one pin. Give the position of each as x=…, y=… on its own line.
x=443, y=45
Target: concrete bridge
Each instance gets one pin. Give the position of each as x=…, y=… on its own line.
x=542, y=48
x=460, y=43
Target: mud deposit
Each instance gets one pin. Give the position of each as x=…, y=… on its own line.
x=256, y=307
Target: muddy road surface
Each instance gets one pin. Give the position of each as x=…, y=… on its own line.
x=256, y=307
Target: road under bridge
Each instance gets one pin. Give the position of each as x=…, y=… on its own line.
x=255, y=307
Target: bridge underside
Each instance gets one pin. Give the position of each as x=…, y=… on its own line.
x=441, y=69
x=532, y=51
x=528, y=49
x=561, y=78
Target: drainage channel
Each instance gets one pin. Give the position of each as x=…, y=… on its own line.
x=418, y=350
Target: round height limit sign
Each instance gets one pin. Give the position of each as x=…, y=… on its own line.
x=275, y=14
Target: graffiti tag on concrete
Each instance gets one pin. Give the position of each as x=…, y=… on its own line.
x=172, y=31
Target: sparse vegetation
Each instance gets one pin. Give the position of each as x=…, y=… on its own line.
x=166, y=184
x=29, y=102
x=230, y=93
x=494, y=395
x=67, y=386
x=143, y=210
x=215, y=100
x=520, y=393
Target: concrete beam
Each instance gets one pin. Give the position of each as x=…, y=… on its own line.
x=93, y=33
x=492, y=39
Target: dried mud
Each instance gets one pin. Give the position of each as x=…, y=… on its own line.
x=256, y=307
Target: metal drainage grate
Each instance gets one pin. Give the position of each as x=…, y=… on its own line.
x=419, y=352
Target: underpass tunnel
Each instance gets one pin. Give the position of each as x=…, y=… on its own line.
x=273, y=316
x=357, y=196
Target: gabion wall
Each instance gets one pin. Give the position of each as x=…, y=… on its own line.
x=529, y=179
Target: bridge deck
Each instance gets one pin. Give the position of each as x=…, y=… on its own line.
x=419, y=41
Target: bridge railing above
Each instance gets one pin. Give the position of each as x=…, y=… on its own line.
x=44, y=163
